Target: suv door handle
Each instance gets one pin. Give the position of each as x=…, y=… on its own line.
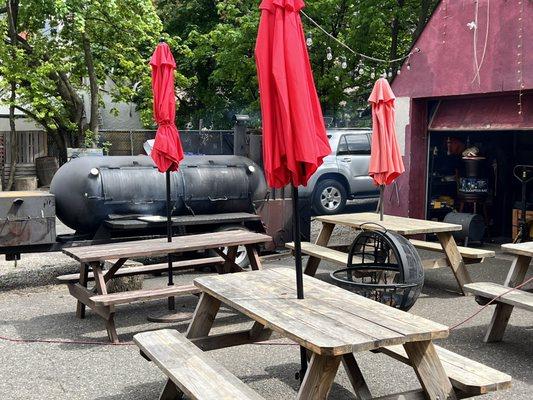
x=346, y=159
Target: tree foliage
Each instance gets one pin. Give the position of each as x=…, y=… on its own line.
x=217, y=40
x=67, y=51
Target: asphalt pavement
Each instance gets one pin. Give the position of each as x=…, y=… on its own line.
x=98, y=371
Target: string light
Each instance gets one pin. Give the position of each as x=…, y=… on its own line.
x=329, y=55
x=344, y=64
x=361, y=68
x=309, y=40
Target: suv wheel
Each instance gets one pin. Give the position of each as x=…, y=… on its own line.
x=329, y=197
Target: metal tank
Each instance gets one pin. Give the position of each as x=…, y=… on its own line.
x=90, y=190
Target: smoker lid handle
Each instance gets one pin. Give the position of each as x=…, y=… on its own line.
x=18, y=201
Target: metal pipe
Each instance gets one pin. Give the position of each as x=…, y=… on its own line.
x=299, y=269
x=171, y=300
x=381, y=195
x=297, y=244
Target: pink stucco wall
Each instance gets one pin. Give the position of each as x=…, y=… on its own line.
x=445, y=64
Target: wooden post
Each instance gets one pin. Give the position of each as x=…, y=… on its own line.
x=322, y=240
x=503, y=312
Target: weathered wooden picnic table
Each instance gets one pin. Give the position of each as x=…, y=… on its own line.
x=103, y=303
x=331, y=323
x=455, y=257
x=505, y=304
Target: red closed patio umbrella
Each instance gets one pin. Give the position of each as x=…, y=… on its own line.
x=294, y=135
x=386, y=162
x=167, y=151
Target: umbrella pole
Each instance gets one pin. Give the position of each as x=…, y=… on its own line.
x=171, y=300
x=381, y=195
x=299, y=269
x=173, y=316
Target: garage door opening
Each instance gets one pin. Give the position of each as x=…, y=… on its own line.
x=472, y=172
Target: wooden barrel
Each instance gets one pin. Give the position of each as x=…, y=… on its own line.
x=25, y=183
x=45, y=168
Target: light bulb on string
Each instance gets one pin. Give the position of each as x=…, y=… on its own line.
x=309, y=40
x=399, y=72
x=373, y=74
x=329, y=54
x=390, y=73
x=361, y=67
x=408, y=66
x=344, y=63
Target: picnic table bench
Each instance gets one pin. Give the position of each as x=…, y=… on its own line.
x=505, y=304
x=103, y=303
x=190, y=371
x=331, y=323
x=456, y=257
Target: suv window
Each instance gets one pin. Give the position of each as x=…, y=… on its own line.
x=353, y=145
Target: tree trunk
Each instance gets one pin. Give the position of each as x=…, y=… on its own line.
x=12, y=15
x=423, y=15
x=93, y=84
x=14, y=139
x=395, y=31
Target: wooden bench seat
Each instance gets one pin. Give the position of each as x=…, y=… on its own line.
x=324, y=253
x=191, y=370
x=489, y=291
x=148, y=269
x=466, y=252
x=470, y=378
x=144, y=294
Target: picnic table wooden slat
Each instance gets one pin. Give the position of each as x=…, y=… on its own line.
x=193, y=371
x=334, y=296
x=403, y=322
x=469, y=376
x=521, y=249
x=401, y=225
x=153, y=247
x=312, y=322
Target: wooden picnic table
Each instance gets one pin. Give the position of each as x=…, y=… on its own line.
x=406, y=227
x=331, y=323
x=92, y=258
x=523, y=253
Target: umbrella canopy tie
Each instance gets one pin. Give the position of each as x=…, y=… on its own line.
x=165, y=122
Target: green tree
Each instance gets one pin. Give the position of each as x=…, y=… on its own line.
x=217, y=41
x=67, y=50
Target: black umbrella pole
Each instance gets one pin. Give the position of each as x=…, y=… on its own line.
x=171, y=300
x=297, y=243
x=299, y=269
x=381, y=198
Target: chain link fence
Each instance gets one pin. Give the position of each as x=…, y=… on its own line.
x=126, y=143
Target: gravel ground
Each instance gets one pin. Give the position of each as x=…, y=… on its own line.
x=75, y=371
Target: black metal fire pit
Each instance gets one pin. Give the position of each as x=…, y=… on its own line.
x=383, y=266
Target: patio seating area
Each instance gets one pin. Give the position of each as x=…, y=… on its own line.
x=359, y=227
x=267, y=367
